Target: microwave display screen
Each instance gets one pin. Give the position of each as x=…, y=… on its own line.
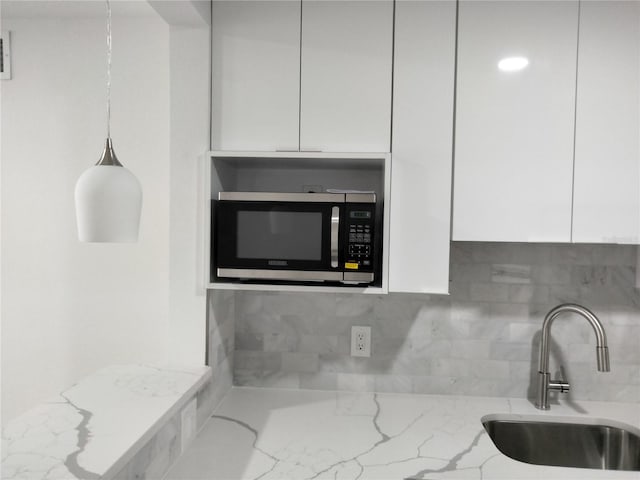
x=360, y=214
x=279, y=235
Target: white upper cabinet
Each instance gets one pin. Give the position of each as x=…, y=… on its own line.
x=515, y=128
x=255, y=75
x=346, y=75
x=328, y=90
x=607, y=158
x=424, y=65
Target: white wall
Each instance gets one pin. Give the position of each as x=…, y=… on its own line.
x=190, y=87
x=69, y=308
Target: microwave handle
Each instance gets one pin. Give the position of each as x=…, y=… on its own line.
x=335, y=225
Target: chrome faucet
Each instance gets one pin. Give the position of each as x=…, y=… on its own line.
x=544, y=377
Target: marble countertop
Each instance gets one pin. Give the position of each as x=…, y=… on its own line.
x=92, y=429
x=268, y=434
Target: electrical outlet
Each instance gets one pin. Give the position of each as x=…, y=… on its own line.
x=188, y=422
x=360, y=341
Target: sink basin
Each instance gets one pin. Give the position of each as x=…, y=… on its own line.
x=605, y=445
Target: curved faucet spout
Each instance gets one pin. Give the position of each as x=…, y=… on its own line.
x=601, y=338
x=602, y=350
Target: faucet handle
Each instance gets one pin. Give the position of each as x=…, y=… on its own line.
x=559, y=386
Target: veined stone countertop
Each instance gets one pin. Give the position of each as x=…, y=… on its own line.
x=271, y=434
x=92, y=429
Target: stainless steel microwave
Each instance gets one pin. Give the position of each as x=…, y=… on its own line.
x=296, y=237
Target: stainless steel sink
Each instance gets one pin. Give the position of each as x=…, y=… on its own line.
x=603, y=445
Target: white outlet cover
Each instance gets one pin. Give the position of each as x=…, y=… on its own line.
x=360, y=341
x=188, y=422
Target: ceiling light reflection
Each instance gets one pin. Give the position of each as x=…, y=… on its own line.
x=513, y=64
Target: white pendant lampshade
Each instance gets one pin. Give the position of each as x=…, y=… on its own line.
x=108, y=196
x=108, y=201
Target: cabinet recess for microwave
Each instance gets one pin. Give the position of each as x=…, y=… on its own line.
x=295, y=172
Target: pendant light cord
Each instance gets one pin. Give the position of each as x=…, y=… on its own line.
x=108, y=155
x=108, y=69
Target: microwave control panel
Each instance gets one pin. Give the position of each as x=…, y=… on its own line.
x=360, y=222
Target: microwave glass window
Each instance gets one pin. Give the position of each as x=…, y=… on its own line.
x=279, y=235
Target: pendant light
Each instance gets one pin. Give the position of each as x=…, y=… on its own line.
x=108, y=197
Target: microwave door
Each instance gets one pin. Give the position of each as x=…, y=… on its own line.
x=282, y=241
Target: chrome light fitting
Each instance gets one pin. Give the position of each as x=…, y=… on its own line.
x=108, y=197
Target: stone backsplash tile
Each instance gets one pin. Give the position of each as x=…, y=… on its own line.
x=300, y=362
x=483, y=339
x=280, y=342
x=529, y=294
x=221, y=346
x=318, y=381
x=509, y=273
x=489, y=292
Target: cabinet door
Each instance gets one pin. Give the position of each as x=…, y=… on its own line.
x=255, y=75
x=607, y=164
x=346, y=75
x=514, y=129
x=420, y=227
